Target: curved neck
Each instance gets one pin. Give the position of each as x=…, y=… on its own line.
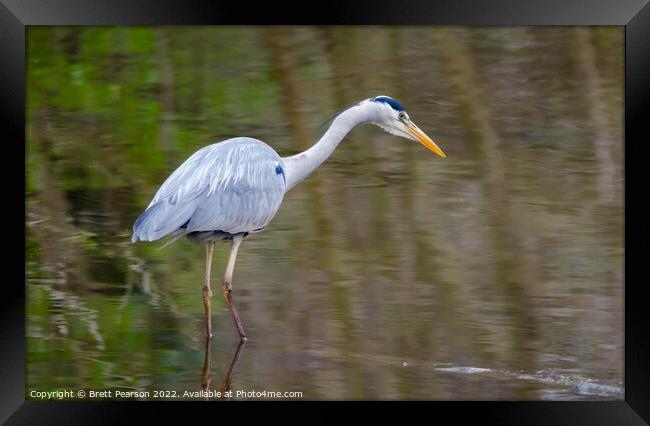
x=299, y=166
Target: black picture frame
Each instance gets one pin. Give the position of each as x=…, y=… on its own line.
x=634, y=15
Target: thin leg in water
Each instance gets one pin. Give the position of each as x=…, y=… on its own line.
x=207, y=291
x=227, y=284
x=205, y=375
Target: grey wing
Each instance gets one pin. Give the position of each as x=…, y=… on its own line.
x=232, y=186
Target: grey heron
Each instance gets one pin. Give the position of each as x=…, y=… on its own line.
x=230, y=189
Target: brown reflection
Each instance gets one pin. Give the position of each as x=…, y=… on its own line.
x=514, y=265
x=603, y=141
x=166, y=130
x=279, y=40
x=340, y=51
x=206, y=378
x=418, y=254
x=227, y=380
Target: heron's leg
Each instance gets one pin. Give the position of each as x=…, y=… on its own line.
x=205, y=375
x=227, y=284
x=207, y=291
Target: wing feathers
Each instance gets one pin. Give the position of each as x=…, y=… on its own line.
x=230, y=186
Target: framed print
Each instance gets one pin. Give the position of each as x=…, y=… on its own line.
x=426, y=207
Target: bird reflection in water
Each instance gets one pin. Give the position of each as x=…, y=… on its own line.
x=227, y=380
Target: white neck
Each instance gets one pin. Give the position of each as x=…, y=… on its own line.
x=299, y=166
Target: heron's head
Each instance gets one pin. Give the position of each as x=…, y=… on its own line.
x=388, y=114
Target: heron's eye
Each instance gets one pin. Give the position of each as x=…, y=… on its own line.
x=402, y=116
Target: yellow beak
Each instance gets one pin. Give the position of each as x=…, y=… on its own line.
x=425, y=140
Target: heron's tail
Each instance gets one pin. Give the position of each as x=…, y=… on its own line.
x=160, y=220
x=175, y=236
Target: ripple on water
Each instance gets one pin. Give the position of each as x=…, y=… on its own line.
x=579, y=384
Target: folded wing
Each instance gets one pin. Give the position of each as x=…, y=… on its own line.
x=233, y=186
